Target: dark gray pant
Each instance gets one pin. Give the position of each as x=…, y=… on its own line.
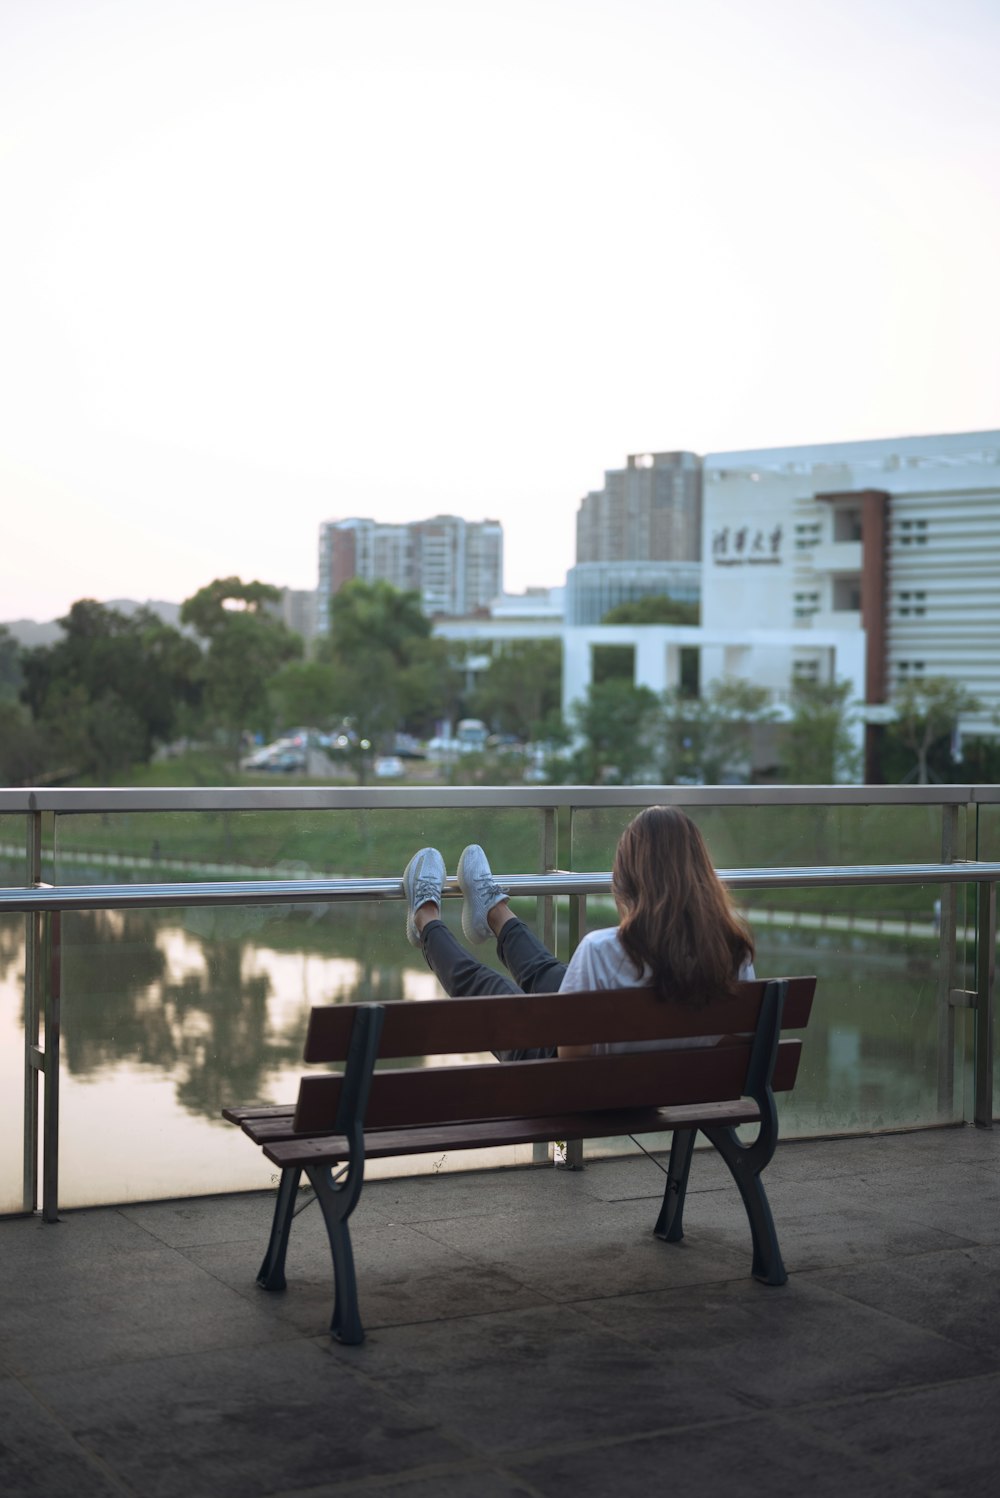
x=532, y=965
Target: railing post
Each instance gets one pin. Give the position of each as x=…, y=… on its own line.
x=986, y=949
x=53, y=1021
x=947, y=968
x=572, y=1158
x=550, y=862
x=33, y=1059
x=546, y=917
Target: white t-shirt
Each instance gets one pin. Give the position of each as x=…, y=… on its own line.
x=600, y=961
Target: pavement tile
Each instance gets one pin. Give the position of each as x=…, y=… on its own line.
x=783, y=1346
x=471, y=1480
x=86, y=1237
x=583, y=1249
x=769, y=1458
x=956, y=1295
x=209, y=1219
x=403, y=1276
x=154, y=1302
x=433, y=1198
x=818, y=1229
x=236, y=1424
x=38, y=1458
x=523, y=1379
x=947, y=1437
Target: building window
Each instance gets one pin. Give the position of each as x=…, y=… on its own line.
x=846, y=596
x=847, y=525
x=806, y=604
x=807, y=534
x=805, y=670
x=912, y=603
x=913, y=532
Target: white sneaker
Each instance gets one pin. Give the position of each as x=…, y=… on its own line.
x=481, y=891
x=423, y=880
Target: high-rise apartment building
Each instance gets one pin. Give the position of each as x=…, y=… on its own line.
x=455, y=565
x=649, y=511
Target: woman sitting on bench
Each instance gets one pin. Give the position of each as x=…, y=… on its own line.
x=678, y=931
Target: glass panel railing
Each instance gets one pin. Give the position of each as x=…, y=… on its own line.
x=198, y=846
x=13, y=850
x=11, y=1060
x=167, y=1015
x=989, y=848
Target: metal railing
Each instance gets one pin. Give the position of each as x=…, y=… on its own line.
x=43, y=904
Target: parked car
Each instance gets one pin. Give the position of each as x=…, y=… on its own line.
x=389, y=767
x=283, y=755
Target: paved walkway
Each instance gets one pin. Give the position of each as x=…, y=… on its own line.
x=527, y=1336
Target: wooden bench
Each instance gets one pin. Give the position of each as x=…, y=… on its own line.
x=340, y=1117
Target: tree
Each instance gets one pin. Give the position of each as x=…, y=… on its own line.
x=521, y=688
x=22, y=750
x=709, y=738
x=655, y=608
x=11, y=675
x=389, y=674
x=619, y=725
x=304, y=692
x=111, y=689
x=819, y=746
x=928, y=710
x=246, y=644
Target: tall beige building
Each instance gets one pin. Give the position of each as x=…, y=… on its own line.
x=637, y=537
x=649, y=511
x=455, y=565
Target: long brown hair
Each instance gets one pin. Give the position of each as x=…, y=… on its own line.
x=676, y=915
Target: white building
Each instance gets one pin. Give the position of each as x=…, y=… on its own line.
x=898, y=538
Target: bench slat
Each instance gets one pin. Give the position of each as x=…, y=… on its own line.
x=450, y=1026
x=433, y=1139
x=532, y=1089
x=251, y=1111
x=276, y=1127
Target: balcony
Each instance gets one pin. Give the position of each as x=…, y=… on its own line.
x=836, y=619
x=837, y=556
x=526, y=1332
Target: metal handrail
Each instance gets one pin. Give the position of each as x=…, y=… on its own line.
x=559, y=882
x=82, y=800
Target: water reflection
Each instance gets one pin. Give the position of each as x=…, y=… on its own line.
x=220, y=1002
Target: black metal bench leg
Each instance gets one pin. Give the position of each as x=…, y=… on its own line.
x=669, y=1224
x=345, y=1323
x=271, y=1275
x=767, y=1262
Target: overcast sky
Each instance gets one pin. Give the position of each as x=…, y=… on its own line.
x=268, y=262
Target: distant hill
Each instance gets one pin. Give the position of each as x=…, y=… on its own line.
x=30, y=633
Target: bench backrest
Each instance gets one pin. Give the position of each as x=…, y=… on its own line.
x=539, y=1089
